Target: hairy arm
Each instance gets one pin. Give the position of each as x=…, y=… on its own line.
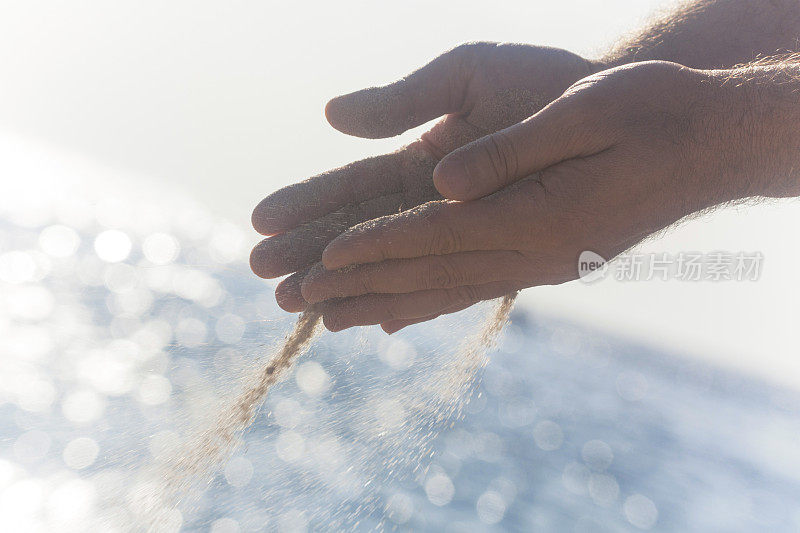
x=769, y=124
x=713, y=34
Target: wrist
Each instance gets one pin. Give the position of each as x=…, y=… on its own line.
x=744, y=140
x=778, y=110
x=767, y=98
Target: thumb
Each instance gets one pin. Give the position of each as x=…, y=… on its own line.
x=562, y=130
x=437, y=89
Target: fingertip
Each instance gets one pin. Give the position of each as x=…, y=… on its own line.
x=333, y=111
x=290, y=306
x=308, y=293
x=391, y=327
x=288, y=296
x=267, y=218
x=256, y=263
x=369, y=113
x=255, y=219
x=259, y=220
x=450, y=178
x=263, y=263
x=331, y=323
x=353, y=115
x=333, y=258
x=309, y=285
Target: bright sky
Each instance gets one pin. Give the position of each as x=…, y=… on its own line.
x=226, y=98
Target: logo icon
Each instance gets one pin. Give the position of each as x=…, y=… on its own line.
x=591, y=267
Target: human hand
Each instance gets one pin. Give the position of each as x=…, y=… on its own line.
x=481, y=87
x=621, y=155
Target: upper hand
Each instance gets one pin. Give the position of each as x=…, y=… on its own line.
x=480, y=87
x=622, y=154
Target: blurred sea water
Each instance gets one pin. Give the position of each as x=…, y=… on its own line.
x=128, y=313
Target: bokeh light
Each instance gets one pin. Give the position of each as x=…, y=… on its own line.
x=112, y=246
x=80, y=453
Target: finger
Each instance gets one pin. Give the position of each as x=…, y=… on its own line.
x=393, y=326
x=438, y=88
x=379, y=308
x=320, y=195
x=433, y=228
x=409, y=275
x=288, y=295
x=563, y=130
x=300, y=247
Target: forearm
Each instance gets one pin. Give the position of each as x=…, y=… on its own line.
x=770, y=92
x=739, y=133
x=713, y=34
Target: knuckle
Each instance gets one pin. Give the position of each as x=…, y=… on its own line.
x=331, y=322
x=391, y=310
x=467, y=59
x=502, y=156
x=586, y=100
x=366, y=282
x=405, y=112
x=461, y=51
x=466, y=294
x=445, y=240
x=441, y=274
x=473, y=50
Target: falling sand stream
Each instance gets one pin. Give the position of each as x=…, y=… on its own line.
x=429, y=403
x=442, y=396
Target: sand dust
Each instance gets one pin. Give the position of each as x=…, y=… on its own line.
x=428, y=405
x=198, y=459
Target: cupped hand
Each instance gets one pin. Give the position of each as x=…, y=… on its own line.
x=621, y=155
x=479, y=88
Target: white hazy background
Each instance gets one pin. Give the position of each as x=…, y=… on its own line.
x=225, y=100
